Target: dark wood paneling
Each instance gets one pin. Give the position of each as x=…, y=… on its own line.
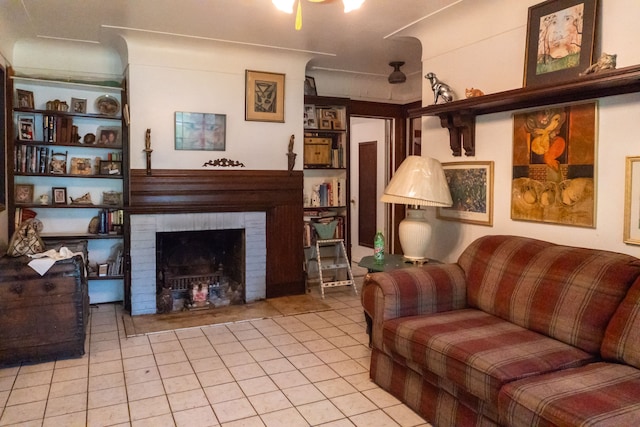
x=278, y=193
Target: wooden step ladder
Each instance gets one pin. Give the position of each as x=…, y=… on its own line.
x=335, y=266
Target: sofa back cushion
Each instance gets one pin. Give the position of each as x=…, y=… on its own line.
x=622, y=338
x=564, y=292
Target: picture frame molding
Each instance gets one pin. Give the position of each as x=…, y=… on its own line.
x=484, y=218
x=251, y=97
x=535, y=13
x=631, y=235
x=24, y=193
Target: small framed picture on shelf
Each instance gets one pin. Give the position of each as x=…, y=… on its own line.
x=25, y=98
x=24, y=193
x=103, y=269
x=25, y=126
x=59, y=195
x=81, y=166
x=110, y=167
x=310, y=119
x=108, y=135
x=325, y=124
x=78, y=105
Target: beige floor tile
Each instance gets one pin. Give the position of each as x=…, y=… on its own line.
x=344, y=422
x=303, y=394
x=289, y=379
x=107, y=397
x=72, y=361
x=254, y=421
x=30, y=394
x=276, y=366
x=267, y=353
x=269, y=402
x=361, y=381
x=319, y=373
x=214, y=377
x=135, y=351
x=133, y=341
x=187, y=400
x=284, y=418
x=145, y=390
x=150, y=407
x=247, y=334
x=142, y=375
x=196, y=417
x=33, y=379
x=223, y=392
x=356, y=351
x=175, y=369
x=282, y=339
x=202, y=352
x=170, y=357
x=4, y=396
x=19, y=414
x=305, y=360
x=294, y=349
x=181, y=383
x=164, y=346
x=258, y=385
x=162, y=337
x=381, y=398
x=233, y=410
x=353, y=404
x=243, y=372
x=374, y=418
x=183, y=334
x=104, y=368
x=105, y=356
x=236, y=359
x=76, y=419
x=6, y=383
x=164, y=420
x=207, y=364
x=306, y=335
x=335, y=387
x=228, y=348
x=37, y=367
x=102, y=382
x=318, y=345
x=257, y=343
x=348, y=367
x=67, y=388
x=332, y=356
x=11, y=371
x=139, y=362
x=320, y=412
x=67, y=404
x=68, y=374
x=404, y=416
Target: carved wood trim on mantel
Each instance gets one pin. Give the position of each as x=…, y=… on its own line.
x=459, y=117
x=278, y=193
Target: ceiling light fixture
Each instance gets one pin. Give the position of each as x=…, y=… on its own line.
x=396, y=75
x=287, y=7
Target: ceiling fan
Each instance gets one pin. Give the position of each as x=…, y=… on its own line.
x=287, y=6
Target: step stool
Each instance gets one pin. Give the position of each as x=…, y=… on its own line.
x=338, y=263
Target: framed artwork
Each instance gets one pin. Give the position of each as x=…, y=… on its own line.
x=81, y=166
x=200, y=131
x=325, y=124
x=264, y=97
x=25, y=98
x=110, y=167
x=59, y=195
x=25, y=127
x=310, y=119
x=108, y=135
x=632, y=201
x=560, y=39
x=471, y=186
x=310, y=86
x=24, y=193
x=554, y=153
x=78, y=105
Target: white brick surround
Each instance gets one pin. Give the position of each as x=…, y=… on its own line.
x=143, y=250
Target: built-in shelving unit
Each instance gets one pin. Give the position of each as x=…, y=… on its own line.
x=61, y=171
x=459, y=116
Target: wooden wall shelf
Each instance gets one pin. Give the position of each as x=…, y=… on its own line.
x=460, y=116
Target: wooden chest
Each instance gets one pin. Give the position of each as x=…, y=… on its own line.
x=42, y=317
x=317, y=151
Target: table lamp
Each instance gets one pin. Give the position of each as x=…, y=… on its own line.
x=419, y=181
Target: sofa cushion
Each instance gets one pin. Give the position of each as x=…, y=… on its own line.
x=564, y=292
x=602, y=394
x=477, y=351
x=622, y=338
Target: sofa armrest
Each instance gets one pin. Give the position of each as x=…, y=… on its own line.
x=428, y=289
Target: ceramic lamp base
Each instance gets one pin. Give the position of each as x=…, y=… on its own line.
x=414, y=233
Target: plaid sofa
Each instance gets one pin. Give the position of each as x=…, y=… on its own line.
x=518, y=332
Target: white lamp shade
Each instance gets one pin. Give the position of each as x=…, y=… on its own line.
x=419, y=181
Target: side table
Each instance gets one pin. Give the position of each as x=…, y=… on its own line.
x=391, y=262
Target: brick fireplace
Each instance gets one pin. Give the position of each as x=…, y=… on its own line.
x=267, y=205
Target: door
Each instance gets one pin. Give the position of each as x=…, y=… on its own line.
x=369, y=148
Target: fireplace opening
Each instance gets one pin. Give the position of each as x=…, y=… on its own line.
x=200, y=269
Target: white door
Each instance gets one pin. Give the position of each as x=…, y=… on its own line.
x=367, y=130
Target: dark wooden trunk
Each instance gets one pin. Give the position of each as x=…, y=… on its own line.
x=42, y=317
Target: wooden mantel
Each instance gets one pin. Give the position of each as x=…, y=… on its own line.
x=460, y=116
x=278, y=193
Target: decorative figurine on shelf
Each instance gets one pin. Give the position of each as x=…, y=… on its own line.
x=605, y=62
x=440, y=89
x=290, y=154
x=472, y=93
x=315, y=195
x=148, y=150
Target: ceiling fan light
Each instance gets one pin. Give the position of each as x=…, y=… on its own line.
x=284, y=5
x=350, y=5
x=396, y=75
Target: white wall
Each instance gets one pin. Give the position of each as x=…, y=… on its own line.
x=489, y=55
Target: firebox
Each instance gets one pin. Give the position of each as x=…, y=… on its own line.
x=200, y=269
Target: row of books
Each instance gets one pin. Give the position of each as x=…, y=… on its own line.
x=310, y=234
x=54, y=129
x=110, y=221
x=32, y=159
x=114, y=265
x=330, y=193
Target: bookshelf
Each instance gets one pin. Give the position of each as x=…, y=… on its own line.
x=326, y=169
x=67, y=166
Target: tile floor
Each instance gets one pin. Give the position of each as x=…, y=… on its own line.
x=299, y=370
